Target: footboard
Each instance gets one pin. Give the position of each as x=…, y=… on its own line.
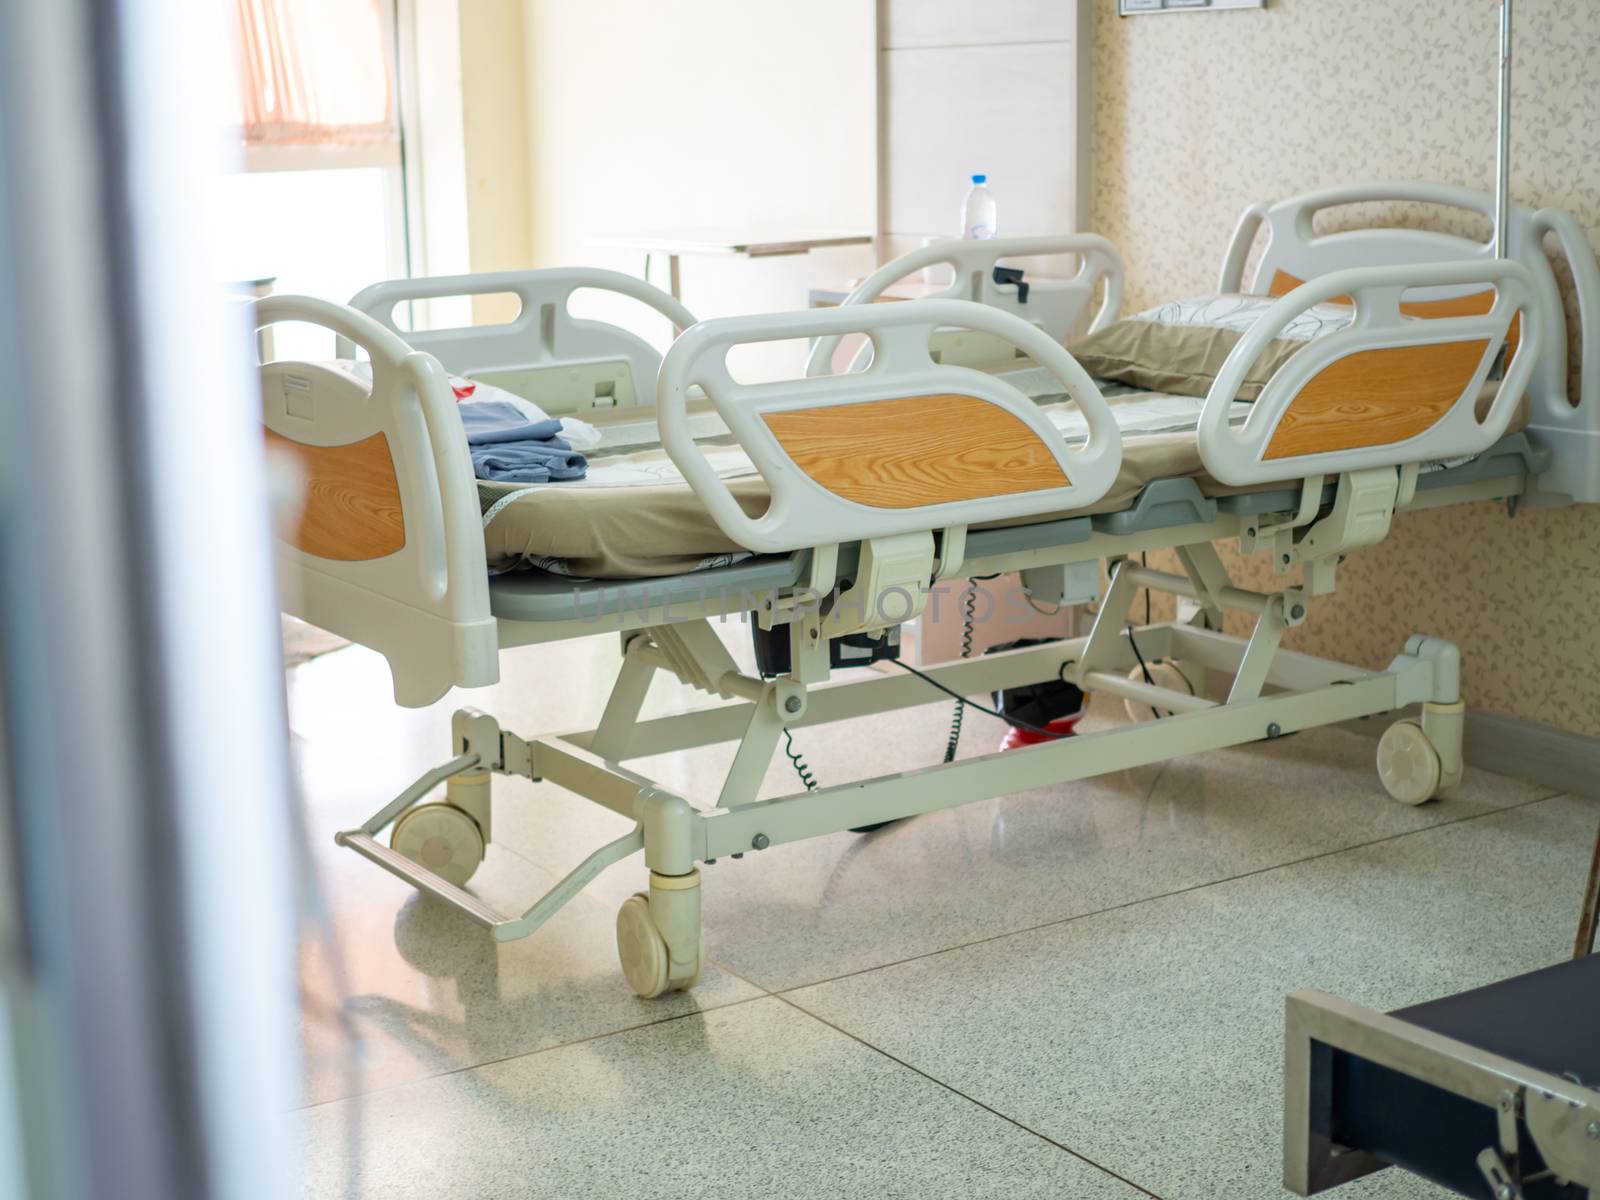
x=388, y=551
x=1054, y=305
x=907, y=445
x=1395, y=386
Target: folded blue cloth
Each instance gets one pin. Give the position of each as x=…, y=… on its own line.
x=508, y=448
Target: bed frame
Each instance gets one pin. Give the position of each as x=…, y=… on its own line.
x=879, y=478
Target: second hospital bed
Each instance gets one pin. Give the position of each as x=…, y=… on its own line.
x=828, y=505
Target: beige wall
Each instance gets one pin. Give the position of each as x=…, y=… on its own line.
x=1198, y=115
x=494, y=133
x=725, y=115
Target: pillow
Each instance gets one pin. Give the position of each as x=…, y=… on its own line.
x=1180, y=347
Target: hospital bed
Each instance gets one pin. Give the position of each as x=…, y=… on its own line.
x=860, y=490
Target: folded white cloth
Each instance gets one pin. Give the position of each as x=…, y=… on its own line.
x=580, y=435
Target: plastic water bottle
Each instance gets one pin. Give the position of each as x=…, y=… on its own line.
x=978, y=218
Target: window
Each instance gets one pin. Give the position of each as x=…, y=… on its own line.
x=316, y=75
x=320, y=206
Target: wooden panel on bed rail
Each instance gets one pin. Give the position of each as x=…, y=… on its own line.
x=916, y=450
x=352, y=507
x=1474, y=304
x=1375, y=398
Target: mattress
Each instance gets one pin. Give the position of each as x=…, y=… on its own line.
x=635, y=517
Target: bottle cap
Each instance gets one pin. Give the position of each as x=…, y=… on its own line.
x=980, y=179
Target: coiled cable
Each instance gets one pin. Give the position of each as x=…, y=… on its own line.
x=969, y=621
x=799, y=763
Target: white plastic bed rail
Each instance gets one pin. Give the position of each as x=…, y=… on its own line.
x=425, y=607
x=1236, y=455
x=1566, y=422
x=1571, y=424
x=1296, y=247
x=543, y=337
x=1054, y=305
x=803, y=513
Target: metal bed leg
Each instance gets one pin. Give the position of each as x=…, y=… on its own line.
x=627, y=698
x=1258, y=655
x=658, y=931
x=755, y=751
x=1445, y=727
x=1589, y=918
x=1105, y=635
x=1418, y=760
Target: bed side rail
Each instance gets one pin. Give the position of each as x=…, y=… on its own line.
x=1567, y=422
x=1389, y=389
x=907, y=445
x=562, y=362
x=1054, y=305
x=388, y=551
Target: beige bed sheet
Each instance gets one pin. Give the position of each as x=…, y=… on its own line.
x=646, y=529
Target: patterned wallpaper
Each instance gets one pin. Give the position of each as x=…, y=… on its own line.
x=1198, y=115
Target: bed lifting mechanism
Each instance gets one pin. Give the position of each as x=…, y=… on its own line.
x=437, y=846
x=1363, y=505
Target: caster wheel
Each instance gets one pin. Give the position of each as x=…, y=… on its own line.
x=641, y=947
x=646, y=962
x=1174, y=676
x=442, y=838
x=1408, y=764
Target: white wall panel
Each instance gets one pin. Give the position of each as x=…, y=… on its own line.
x=965, y=23
x=1008, y=111
x=722, y=115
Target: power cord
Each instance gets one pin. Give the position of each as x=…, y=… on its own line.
x=962, y=701
x=969, y=610
x=795, y=760
x=969, y=623
x=1134, y=645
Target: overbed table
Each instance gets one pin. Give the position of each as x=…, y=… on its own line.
x=1493, y=1093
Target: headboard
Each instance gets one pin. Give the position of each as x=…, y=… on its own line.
x=563, y=363
x=1054, y=305
x=1565, y=419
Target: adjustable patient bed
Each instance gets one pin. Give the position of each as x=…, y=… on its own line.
x=827, y=506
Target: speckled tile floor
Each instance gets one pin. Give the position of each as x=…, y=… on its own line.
x=1070, y=992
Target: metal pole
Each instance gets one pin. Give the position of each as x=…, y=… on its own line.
x=1502, y=194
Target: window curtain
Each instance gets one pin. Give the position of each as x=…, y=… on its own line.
x=315, y=73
